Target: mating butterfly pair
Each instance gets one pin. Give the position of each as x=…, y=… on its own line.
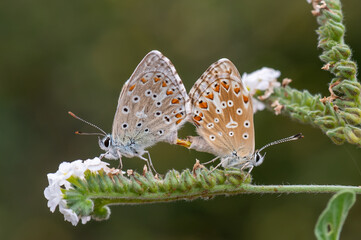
x=154, y=104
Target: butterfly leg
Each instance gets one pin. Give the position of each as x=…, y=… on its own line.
x=214, y=159
x=249, y=171
x=120, y=166
x=149, y=162
x=219, y=164
x=247, y=165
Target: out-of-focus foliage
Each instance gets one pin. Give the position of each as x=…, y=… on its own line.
x=75, y=55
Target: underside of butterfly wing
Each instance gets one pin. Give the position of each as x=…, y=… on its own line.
x=152, y=106
x=222, y=111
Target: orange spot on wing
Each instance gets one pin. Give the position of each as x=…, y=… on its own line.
x=178, y=121
x=169, y=92
x=226, y=86
x=201, y=114
x=203, y=105
x=143, y=80
x=132, y=87
x=210, y=96
x=178, y=115
x=216, y=88
x=237, y=90
x=164, y=84
x=196, y=123
x=156, y=79
x=245, y=99
x=174, y=101
x=197, y=118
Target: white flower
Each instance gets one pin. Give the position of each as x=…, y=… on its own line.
x=261, y=79
x=257, y=105
x=69, y=215
x=54, y=196
x=95, y=164
x=264, y=79
x=58, y=181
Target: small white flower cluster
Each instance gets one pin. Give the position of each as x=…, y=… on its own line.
x=264, y=79
x=58, y=181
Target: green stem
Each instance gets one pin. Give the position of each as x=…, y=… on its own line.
x=218, y=190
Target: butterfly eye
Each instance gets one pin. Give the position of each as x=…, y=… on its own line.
x=212, y=137
x=230, y=103
x=139, y=124
x=107, y=142
x=247, y=124
x=125, y=125
x=218, y=111
x=258, y=158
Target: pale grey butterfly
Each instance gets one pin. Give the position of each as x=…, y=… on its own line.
x=221, y=109
x=152, y=106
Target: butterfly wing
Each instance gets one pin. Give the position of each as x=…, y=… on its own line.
x=152, y=105
x=222, y=110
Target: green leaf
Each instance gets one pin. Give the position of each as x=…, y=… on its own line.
x=331, y=220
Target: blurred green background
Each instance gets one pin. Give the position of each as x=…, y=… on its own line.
x=57, y=56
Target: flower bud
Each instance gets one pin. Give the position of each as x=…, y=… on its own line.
x=351, y=115
x=337, y=135
x=101, y=213
x=353, y=134
x=326, y=122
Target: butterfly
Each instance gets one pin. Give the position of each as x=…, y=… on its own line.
x=221, y=110
x=152, y=106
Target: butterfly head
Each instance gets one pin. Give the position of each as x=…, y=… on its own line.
x=106, y=142
x=257, y=158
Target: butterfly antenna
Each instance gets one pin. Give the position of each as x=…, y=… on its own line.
x=287, y=139
x=93, y=125
x=82, y=133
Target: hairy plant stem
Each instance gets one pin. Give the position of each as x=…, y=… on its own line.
x=125, y=199
x=91, y=195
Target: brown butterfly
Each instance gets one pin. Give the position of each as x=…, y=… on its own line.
x=221, y=108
